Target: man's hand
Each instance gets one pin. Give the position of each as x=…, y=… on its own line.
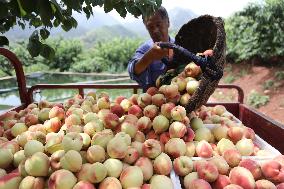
x=157, y=53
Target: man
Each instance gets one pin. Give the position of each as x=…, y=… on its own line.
x=148, y=62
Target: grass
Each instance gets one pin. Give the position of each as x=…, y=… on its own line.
x=257, y=100
x=268, y=84
x=230, y=78
x=5, y=107
x=279, y=75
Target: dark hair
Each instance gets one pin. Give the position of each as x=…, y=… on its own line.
x=162, y=12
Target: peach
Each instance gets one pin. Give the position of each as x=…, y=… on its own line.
x=177, y=130
x=6, y=158
x=53, y=125
x=96, y=173
x=57, y=112
x=252, y=166
x=233, y=186
x=219, y=110
x=138, y=146
x=12, y=145
x=180, y=82
x=162, y=164
x=102, y=138
x=37, y=127
x=196, y=123
x=103, y=103
x=191, y=86
x=220, y=131
x=166, y=109
x=18, y=128
x=189, y=135
x=53, y=142
x=62, y=179
x=203, y=133
x=90, y=116
x=133, y=99
x=192, y=70
x=161, y=182
x=235, y=133
x=264, y=184
x=144, y=99
x=151, y=148
x=280, y=159
x=31, y=119
x=160, y=124
x=131, y=155
x=129, y=128
x=2, y=172
x=184, y=99
x=190, y=149
x=93, y=127
x=37, y=165
x=132, y=176
x=95, y=153
x=225, y=144
x=152, y=91
x=18, y=157
x=242, y=177
x=10, y=115
x=271, y=169
x=130, y=118
x=204, y=149
x=199, y=184
x=110, y=120
x=164, y=137
x=84, y=185
x=114, y=167
x=245, y=147
x=189, y=178
x=232, y=157
x=151, y=111
x=221, y=164
x=118, y=99
x=10, y=181
x=31, y=182
x=126, y=138
x=116, y=109
x=140, y=137
x=207, y=171
x=280, y=186
x=175, y=147
x=117, y=148
x=110, y=183
x=183, y=165
x=170, y=91
x=158, y=100
x=72, y=141
x=152, y=135
x=146, y=166
x=55, y=160
x=221, y=182
x=135, y=110
x=178, y=113
x=33, y=146
x=86, y=140
x=249, y=133
x=71, y=161
x=125, y=104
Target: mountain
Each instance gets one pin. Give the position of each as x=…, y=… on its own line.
x=180, y=16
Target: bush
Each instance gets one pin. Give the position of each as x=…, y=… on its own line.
x=257, y=100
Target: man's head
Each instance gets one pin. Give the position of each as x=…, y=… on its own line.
x=158, y=25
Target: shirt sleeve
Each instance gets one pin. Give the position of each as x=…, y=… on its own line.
x=143, y=78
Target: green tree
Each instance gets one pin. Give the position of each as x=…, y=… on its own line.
x=46, y=14
x=257, y=31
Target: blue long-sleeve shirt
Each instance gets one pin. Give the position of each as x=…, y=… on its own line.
x=149, y=76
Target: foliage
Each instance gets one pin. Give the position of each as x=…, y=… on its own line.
x=279, y=75
x=268, y=84
x=256, y=32
x=111, y=56
x=46, y=14
x=257, y=100
x=229, y=78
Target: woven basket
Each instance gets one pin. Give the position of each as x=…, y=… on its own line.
x=198, y=35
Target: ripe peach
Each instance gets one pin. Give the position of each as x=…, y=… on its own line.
x=103, y=103
x=33, y=146
x=62, y=179
x=152, y=91
x=161, y=182
x=12, y=146
x=133, y=99
x=53, y=142
x=245, y=147
x=75, y=110
x=140, y=137
x=114, y=167
x=221, y=164
x=220, y=131
x=110, y=120
x=158, y=100
x=125, y=104
x=31, y=182
x=55, y=160
x=130, y=118
x=190, y=149
x=56, y=112
x=183, y=165
x=118, y=99
x=131, y=177
x=151, y=111
x=86, y=140
x=191, y=86
x=6, y=158
x=249, y=133
x=18, y=157
x=203, y=133
x=199, y=184
x=135, y=110
x=126, y=138
x=264, y=184
x=71, y=161
x=54, y=124
x=160, y=124
x=72, y=141
x=271, y=169
x=37, y=165
x=207, y=171
x=116, y=109
x=204, y=149
x=280, y=186
x=189, y=178
x=144, y=99
x=117, y=148
x=235, y=133
x=31, y=119
x=84, y=185
x=233, y=186
x=189, y=135
x=221, y=182
x=178, y=113
x=225, y=144
x=242, y=177
x=138, y=146
x=162, y=164
x=102, y=138
x=196, y=123
x=164, y=137
x=152, y=135
x=219, y=110
x=146, y=166
x=90, y=116
x=175, y=147
x=11, y=181
x=252, y=166
x=180, y=82
x=177, y=129
x=131, y=155
x=280, y=159
x=232, y=157
x=151, y=148
x=18, y=128
x=93, y=127
x=110, y=183
x=166, y=109
x=129, y=128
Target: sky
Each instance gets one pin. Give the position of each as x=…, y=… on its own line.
x=222, y=8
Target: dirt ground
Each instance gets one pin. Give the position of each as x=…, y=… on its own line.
x=265, y=81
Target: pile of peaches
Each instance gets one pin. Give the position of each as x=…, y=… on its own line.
x=131, y=143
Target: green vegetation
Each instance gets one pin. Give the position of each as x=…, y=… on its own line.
x=257, y=32
x=230, y=78
x=257, y=100
x=268, y=84
x=279, y=75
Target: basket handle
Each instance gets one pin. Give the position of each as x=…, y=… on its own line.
x=208, y=67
